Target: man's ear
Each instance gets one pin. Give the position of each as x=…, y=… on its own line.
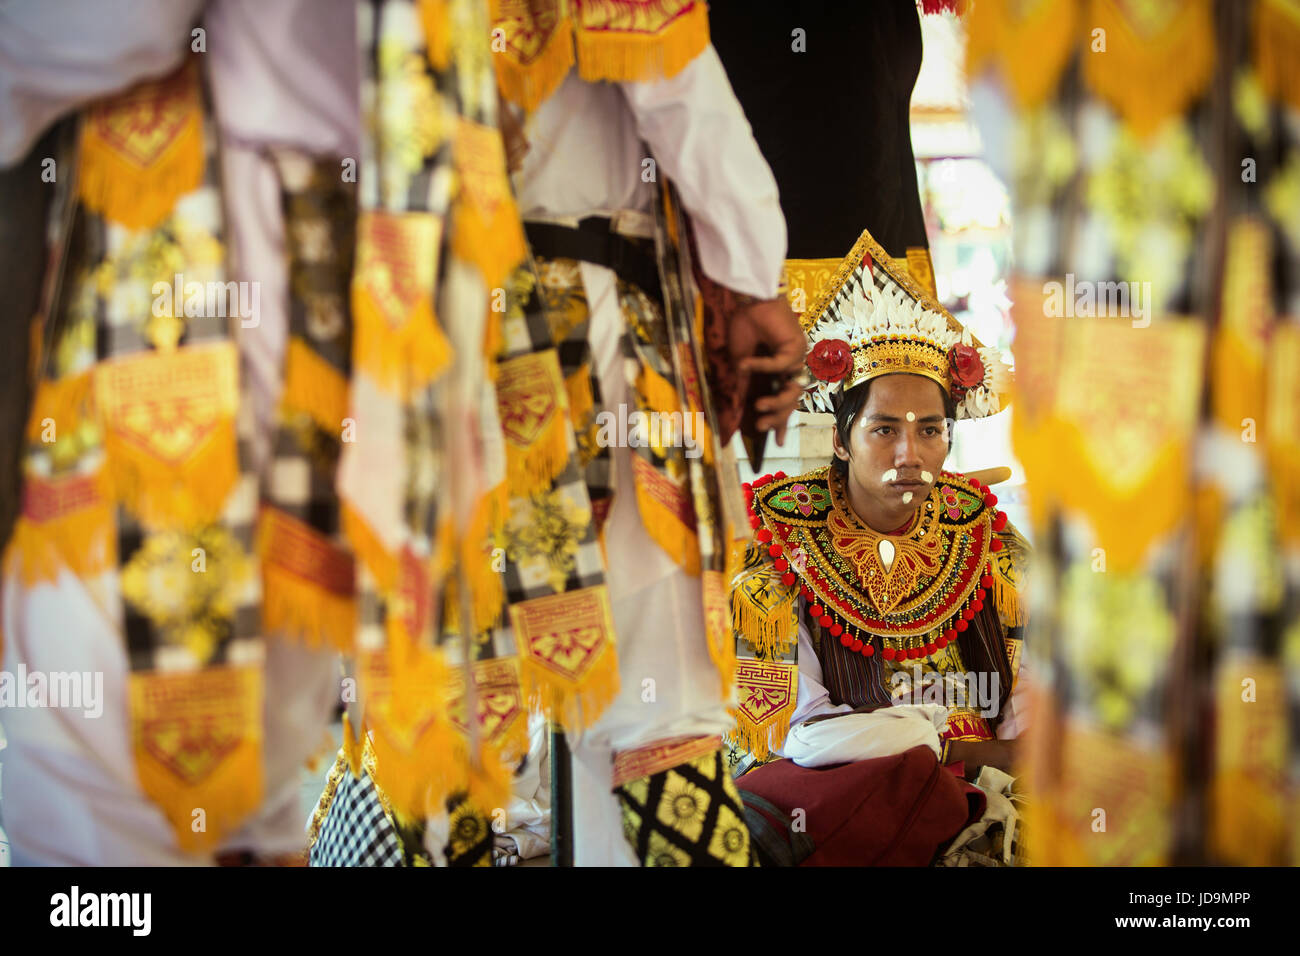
x=841, y=452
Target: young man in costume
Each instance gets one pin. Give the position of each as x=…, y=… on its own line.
x=882, y=579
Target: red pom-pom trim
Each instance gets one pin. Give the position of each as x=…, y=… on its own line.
x=816, y=611
x=827, y=620
x=846, y=640
x=968, y=614
x=868, y=650
x=889, y=653
x=764, y=536
x=837, y=630
x=962, y=625
x=788, y=578
x=991, y=499
x=986, y=581
x=856, y=645
x=995, y=545
x=977, y=605
x=1000, y=521
x=775, y=551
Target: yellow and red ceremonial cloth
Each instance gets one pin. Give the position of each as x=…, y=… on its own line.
x=616, y=41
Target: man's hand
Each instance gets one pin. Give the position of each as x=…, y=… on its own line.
x=773, y=324
x=983, y=753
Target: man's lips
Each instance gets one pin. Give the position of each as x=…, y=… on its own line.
x=907, y=484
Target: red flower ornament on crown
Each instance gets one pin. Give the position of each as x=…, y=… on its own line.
x=966, y=365
x=830, y=359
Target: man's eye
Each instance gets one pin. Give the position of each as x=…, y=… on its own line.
x=883, y=430
x=932, y=430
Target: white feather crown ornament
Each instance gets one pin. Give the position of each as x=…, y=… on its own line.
x=872, y=320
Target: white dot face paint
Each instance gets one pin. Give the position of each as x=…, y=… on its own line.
x=911, y=416
x=907, y=497
x=889, y=476
x=927, y=477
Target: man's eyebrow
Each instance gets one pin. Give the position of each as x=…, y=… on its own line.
x=877, y=417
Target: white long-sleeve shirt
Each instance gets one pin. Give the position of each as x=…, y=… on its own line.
x=586, y=158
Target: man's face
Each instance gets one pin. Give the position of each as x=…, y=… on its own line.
x=897, y=445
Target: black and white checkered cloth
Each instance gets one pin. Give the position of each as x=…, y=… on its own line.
x=356, y=831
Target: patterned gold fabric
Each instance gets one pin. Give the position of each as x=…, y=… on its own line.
x=687, y=815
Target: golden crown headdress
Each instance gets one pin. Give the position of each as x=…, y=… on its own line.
x=871, y=320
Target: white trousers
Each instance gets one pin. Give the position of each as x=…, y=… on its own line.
x=669, y=685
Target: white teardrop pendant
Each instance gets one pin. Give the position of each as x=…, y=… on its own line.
x=886, y=551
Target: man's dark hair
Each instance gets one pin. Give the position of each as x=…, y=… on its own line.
x=851, y=403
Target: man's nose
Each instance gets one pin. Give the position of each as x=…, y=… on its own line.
x=907, y=453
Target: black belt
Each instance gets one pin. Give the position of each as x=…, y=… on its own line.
x=593, y=241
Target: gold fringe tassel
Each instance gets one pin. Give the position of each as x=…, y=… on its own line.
x=757, y=737
x=999, y=36
x=527, y=85
x=486, y=584
x=617, y=56
x=1007, y=600
x=718, y=630
x=401, y=361
x=532, y=470
x=232, y=788
x=770, y=631
x=1172, y=69
x=492, y=242
x=314, y=387
x=437, y=32
x=413, y=741
x=304, y=611
x=574, y=706
x=119, y=188
x=1277, y=49
x=679, y=542
x=83, y=541
x=370, y=551
x=165, y=495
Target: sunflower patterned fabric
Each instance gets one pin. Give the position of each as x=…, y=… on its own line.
x=687, y=815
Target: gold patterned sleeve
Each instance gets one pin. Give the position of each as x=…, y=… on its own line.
x=1010, y=570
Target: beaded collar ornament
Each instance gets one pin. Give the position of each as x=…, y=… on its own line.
x=910, y=593
x=873, y=320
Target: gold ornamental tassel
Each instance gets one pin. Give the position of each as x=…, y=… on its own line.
x=532, y=404
x=197, y=741
x=486, y=229
x=766, y=692
x=633, y=41
x=308, y=583
x=1167, y=53
x=1001, y=31
x=143, y=150
x=1277, y=49
x=533, y=49
x=169, y=432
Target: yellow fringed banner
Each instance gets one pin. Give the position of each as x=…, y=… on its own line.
x=396, y=340
x=667, y=514
x=169, y=432
x=635, y=41
x=535, y=49
x=532, y=404
x=406, y=691
x=567, y=660
x=1277, y=49
x=314, y=387
x=142, y=150
x=485, y=228
x=352, y=746
x=197, y=740
x=477, y=546
x=717, y=628
x=766, y=692
x=365, y=544
x=503, y=727
x=308, y=583
x=67, y=523
x=769, y=628
x=1170, y=61
x=999, y=32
